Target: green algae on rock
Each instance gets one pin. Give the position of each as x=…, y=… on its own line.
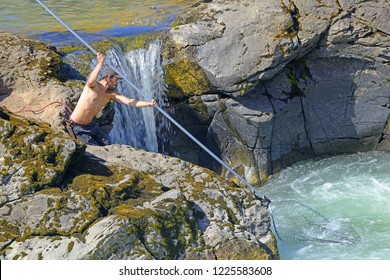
x=36, y=157
x=185, y=77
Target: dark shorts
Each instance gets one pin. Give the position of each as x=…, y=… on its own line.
x=90, y=134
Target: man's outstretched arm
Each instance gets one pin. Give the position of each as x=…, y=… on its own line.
x=133, y=102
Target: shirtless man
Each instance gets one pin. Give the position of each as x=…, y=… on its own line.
x=95, y=96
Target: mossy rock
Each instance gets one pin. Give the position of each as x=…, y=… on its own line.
x=244, y=250
x=185, y=77
x=110, y=186
x=44, y=155
x=46, y=58
x=35, y=58
x=126, y=44
x=194, y=14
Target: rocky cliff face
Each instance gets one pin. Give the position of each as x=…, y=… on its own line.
x=59, y=202
x=282, y=81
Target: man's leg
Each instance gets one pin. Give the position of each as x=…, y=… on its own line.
x=98, y=134
x=87, y=139
x=84, y=134
x=101, y=137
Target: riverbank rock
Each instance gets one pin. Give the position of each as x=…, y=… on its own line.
x=33, y=157
x=116, y=202
x=292, y=79
x=31, y=78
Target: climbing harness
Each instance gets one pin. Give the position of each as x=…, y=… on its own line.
x=321, y=229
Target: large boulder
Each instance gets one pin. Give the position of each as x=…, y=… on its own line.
x=33, y=77
x=33, y=157
x=239, y=43
x=294, y=79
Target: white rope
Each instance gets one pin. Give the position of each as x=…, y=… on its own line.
x=258, y=193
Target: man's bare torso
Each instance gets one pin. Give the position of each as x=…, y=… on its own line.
x=91, y=101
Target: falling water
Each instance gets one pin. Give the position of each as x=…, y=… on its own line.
x=141, y=128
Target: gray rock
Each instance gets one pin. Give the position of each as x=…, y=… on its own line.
x=29, y=71
x=32, y=156
x=302, y=80
x=236, y=52
x=178, y=211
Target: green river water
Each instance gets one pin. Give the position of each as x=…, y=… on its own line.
x=28, y=18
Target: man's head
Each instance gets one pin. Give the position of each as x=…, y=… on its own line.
x=111, y=77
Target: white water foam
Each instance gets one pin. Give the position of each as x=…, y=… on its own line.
x=352, y=190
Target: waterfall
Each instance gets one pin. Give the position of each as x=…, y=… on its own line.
x=140, y=127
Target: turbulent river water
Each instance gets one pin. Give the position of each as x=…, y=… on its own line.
x=352, y=189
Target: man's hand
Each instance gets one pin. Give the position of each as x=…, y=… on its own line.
x=153, y=103
x=100, y=58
